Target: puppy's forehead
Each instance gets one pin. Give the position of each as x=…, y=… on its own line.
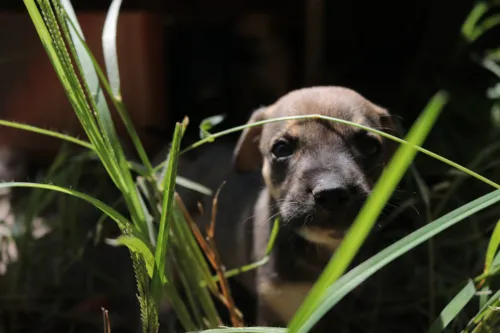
x=328, y=101
x=333, y=102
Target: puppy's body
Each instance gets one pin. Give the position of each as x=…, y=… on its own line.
x=314, y=175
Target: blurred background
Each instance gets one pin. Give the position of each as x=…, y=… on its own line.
x=203, y=58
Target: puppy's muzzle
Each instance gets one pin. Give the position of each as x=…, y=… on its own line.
x=331, y=198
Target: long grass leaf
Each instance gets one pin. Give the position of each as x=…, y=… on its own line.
x=369, y=213
x=341, y=121
x=62, y=71
x=54, y=134
x=119, y=105
x=359, y=274
x=119, y=165
x=453, y=308
x=492, y=248
x=166, y=213
x=482, y=312
x=109, y=47
x=198, y=271
x=189, y=184
x=244, y=330
x=113, y=214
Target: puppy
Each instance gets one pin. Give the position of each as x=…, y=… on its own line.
x=314, y=175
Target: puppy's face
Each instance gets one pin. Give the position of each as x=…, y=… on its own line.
x=318, y=172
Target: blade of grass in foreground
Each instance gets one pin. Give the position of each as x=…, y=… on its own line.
x=336, y=292
x=244, y=330
x=453, y=308
x=166, y=214
x=457, y=166
x=370, y=211
x=492, y=248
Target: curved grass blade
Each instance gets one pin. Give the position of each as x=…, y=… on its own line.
x=485, y=26
x=54, y=134
x=453, y=308
x=113, y=214
x=370, y=211
x=470, y=22
x=136, y=245
x=111, y=61
x=244, y=330
x=359, y=274
x=109, y=47
x=341, y=121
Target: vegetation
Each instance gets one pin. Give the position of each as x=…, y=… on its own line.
x=156, y=226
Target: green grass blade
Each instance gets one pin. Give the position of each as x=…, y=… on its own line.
x=272, y=237
x=453, y=308
x=341, y=121
x=111, y=60
x=483, y=311
x=166, y=214
x=359, y=274
x=118, y=103
x=198, y=269
x=62, y=71
x=270, y=245
x=470, y=23
x=97, y=101
x=113, y=151
x=136, y=245
x=485, y=26
x=189, y=184
x=46, y=132
x=109, y=47
x=113, y=214
x=244, y=330
x=369, y=213
x=492, y=248
x=496, y=262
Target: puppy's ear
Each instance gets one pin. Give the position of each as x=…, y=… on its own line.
x=247, y=156
x=389, y=126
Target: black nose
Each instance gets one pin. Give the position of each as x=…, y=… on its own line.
x=332, y=198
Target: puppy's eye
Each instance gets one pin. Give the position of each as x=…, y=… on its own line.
x=368, y=145
x=282, y=149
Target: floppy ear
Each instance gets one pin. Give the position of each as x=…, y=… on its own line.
x=247, y=156
x=389, y=126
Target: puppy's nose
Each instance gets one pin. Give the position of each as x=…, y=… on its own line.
x=331, y=198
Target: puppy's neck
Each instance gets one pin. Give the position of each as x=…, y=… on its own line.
x=293, y=259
